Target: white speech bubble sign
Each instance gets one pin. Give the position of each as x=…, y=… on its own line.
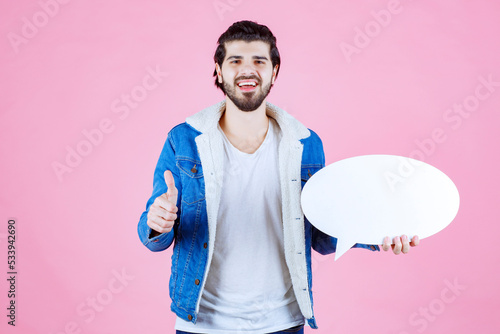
x=366, y=198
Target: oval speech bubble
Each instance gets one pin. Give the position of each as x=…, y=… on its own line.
x=366, y=198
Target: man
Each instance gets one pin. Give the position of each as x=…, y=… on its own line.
x=227, y=190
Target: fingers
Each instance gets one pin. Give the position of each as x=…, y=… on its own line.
x=397, y=245
x=160, y=220
x=163, y=202
x=172, y=190
x=414, y=241
x=406, y=244
x=162, y=214
x=169, y=179
x=160, y=225
x=400, y=244
x=387, y=244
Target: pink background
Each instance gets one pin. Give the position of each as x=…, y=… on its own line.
x=67, y=74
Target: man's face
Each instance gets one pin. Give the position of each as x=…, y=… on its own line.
x=247, y=73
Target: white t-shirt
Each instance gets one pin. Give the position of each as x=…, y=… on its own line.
x=248, y=288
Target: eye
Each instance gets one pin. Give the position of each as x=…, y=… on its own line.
x=236, y=61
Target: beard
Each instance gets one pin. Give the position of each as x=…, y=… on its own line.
x=250, y=100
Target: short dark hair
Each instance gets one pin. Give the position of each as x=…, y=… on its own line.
x=246, y=31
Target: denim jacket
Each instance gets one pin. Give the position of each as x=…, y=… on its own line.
x=193, y=152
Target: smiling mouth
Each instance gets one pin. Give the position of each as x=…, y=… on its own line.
x=247, y=85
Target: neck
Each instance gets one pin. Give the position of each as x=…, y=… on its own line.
x=244, y=124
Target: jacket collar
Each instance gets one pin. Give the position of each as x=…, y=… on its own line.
x=207, y=119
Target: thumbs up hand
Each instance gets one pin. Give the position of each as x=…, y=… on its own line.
x=162, y=213
x=171, y=194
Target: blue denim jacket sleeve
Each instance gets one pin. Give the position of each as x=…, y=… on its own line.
x=166, y=161
x=324, y=244
x=321, y=242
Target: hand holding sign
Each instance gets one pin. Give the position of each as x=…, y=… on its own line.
x=354, y=201
x=162, y=213
x=400, y=244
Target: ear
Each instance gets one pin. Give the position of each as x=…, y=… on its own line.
x=275, y=70
x=219, y=74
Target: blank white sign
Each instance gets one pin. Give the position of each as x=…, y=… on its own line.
x=366, y=198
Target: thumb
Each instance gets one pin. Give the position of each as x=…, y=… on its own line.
x=172, y=190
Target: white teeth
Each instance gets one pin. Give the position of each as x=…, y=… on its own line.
x=247, y=84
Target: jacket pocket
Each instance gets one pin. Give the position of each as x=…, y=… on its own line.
x=306, y=171
x=192, y=181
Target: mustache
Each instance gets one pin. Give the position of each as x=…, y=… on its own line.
x=250, y=77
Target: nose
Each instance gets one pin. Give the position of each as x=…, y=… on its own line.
x=247, y=69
